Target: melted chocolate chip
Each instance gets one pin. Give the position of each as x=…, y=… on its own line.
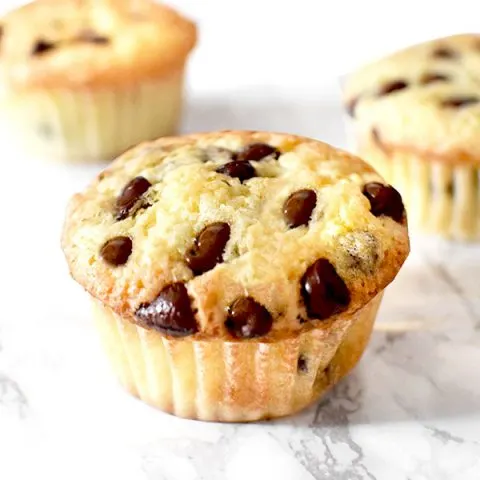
x=391, y=87
x=298, y=207
x=170, y=312
x=459, y=102
x=248, y=319
x=323, y=290
x=256, y=152
x=384, y=200
x=130, y=195
x=237, y=169
x=208, y=248
x=444, y=53
x=90, y=36
x=432, y=77
x=42, y=46
x=302, y=364
x=117, y=250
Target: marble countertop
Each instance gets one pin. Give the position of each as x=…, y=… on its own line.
x=410, y=411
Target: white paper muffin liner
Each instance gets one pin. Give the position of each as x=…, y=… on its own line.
x=232, y=381
x=91, y=124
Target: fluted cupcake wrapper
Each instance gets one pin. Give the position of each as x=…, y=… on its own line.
x=232, y=381
x=91, y=124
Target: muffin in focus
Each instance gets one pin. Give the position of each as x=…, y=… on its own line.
x=416, y=117
x=83, y=80
x=235, y=276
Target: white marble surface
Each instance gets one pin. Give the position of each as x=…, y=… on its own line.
x=410, y=411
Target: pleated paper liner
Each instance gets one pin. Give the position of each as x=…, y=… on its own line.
x=232, y=381
x=91, y=124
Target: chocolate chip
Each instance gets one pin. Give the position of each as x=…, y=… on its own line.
x=302, y=364
x=130, y=195
x=323, y=290
x=236, y=169
x=459, y=102
x=248, y=319
x=298, y=207
x=42, y=46
x=432, y=77
x=90, y=36
x=170, y=312
x=351, y=105
x=256, y=152
x=444, y=53
x=450, y=189
x=117, y=250
x=391, y=87
x=384, y=200
x=208, y=247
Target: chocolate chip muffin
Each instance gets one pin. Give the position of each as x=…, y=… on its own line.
x=83, y=80
x=416, y=118
x=235, y=275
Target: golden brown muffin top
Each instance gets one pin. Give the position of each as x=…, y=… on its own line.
x=424, y=99
x=236, y=235
x=59, y=43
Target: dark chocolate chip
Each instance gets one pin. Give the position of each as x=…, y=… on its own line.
x=171, y=312
x=302, y=364
x=117, y=250
x=256, y=152
x=323, y=290
x=450, y=189
x=130, y=195
x=391, y=87
x=90, y=36
x=432, y=77
x=351, y=106
x=459, y=102
x=208, y=247
x=444, y=53
x=42, y=46
x=384, y=200
x=248, y=319
x=298, y=207
x=236, y=169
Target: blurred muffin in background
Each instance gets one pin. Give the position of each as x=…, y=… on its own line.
x=416, y=117
x=83, y=80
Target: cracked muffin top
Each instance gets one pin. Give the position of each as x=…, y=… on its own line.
x=236, y=235
x=54, y=43
x=424, y=99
